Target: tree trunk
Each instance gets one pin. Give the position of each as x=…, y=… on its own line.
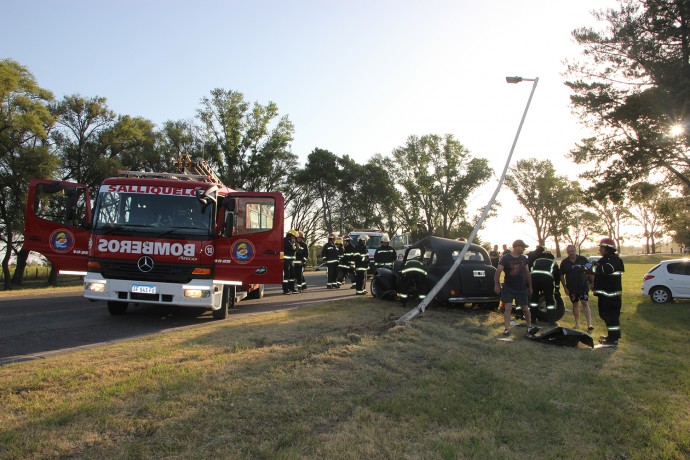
x=52, y=277
x=18, y=277
x=6, y=267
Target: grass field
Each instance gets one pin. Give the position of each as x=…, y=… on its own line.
x=337, y=381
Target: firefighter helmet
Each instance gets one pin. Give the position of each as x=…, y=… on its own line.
x=300, y=234
x=385, y=239
x=293, y=232
x=347, y=238
x=363, y=238
x=338, y=241
x=608, y=243
x=331, y=236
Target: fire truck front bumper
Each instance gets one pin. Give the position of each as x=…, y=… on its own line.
x=197, y=293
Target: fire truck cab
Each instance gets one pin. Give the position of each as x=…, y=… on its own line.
x=180, y=239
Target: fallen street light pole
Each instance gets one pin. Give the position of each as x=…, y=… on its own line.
x=442, y=282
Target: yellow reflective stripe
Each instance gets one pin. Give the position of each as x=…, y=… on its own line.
x=414, y=269
x=543, y=272
x=614, y=328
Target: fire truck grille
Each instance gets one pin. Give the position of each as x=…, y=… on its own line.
x=164, y=273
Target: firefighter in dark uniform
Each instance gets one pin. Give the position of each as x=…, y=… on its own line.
x=347, y=264
x=545, y=282
x=301, y=261
x=361, y=265
x=341, y=255
x=330, y=255
x=412, y=283
x=608, y=287
x=385, y=255
x=289, y=253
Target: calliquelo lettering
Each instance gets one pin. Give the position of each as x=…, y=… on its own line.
x=149, y=248
x=150, y=189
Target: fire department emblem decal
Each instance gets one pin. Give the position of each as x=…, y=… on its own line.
x=242, y=251
x=61, y=240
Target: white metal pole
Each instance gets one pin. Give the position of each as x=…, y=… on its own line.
x=424, y=303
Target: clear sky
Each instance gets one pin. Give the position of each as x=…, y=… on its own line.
x=355, y=77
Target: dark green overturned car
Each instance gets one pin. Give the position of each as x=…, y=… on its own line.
x=472, y=284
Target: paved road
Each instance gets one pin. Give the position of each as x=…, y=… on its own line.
x=32, y=327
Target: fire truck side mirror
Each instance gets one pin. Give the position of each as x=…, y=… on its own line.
x=228, y=224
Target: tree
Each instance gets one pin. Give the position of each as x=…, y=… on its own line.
x=612, y=208
x=631, y=86
x=80, y=122
x=320, y=174
x=250, y=148
x=645, y=199
x=546, y=196
x=584, y=224
x=25, y=121
x=436, y=175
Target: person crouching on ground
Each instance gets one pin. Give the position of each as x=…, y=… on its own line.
x=517, y=284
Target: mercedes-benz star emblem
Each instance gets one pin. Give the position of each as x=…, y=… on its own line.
x=145, y=264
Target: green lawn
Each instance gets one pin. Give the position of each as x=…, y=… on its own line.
x=337, y=381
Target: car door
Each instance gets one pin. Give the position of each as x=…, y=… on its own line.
x=679, y=278
x=57, y=219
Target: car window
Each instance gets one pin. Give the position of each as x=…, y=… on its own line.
x=676, y=268
x=469, y=255
x=686, y=268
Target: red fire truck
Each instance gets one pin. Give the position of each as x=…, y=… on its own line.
x=160, y=238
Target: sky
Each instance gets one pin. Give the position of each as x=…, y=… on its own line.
x=356, y=78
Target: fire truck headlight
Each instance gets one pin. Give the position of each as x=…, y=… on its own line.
x=95, y=286
x=197, y=293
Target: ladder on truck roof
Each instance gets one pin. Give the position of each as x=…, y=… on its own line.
x=198, y=170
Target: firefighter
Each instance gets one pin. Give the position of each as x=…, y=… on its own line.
x=361, y=265
x=301, y=261
x=545, y=281
x=330, y=254
x=608, y=287
x=341, y=255
x=385, y=255
x=412, y=280
x=289, y=253
x=348, y=262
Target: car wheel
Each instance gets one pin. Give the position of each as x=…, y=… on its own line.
x=660, y=294
x=117, y=308
x=379, y=291
x=550, y=316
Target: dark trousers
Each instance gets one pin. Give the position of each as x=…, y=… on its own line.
x=542, y=285
x=332, y=274
x=610, y=312
x=288, y=276
x=300, y=281
x=412, y=285
x=360, y=280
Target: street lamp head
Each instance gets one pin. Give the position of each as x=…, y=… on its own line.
x=519, y=79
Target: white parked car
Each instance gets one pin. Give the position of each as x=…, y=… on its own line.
x=668, y=280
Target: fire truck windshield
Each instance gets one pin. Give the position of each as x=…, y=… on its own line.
x=152, y=215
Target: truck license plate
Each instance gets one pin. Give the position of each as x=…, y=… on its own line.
x=143, y=289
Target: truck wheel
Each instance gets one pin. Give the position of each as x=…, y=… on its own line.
x=257, y=293
x=117, y=308
x=222, y=312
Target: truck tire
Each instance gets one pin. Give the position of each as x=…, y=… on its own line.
x=225, y=302
x=257, y=293
x=117, y=308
